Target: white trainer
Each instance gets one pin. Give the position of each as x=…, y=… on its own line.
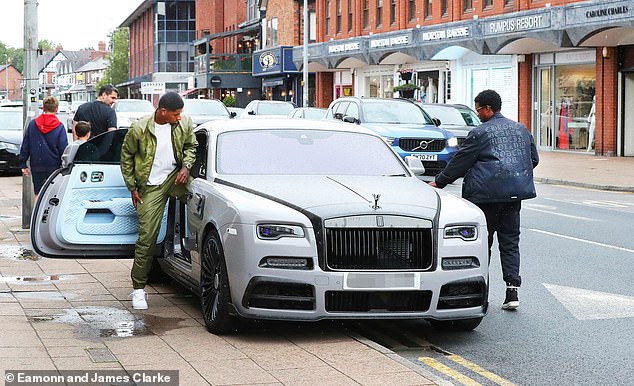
x=139, y=299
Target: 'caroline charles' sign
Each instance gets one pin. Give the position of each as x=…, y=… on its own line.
x=517, y=24
x=595, y=12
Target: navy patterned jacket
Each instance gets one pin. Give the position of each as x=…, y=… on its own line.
x=496, y=161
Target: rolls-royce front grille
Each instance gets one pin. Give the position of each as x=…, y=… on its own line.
x=378, y=301
x=378, y=249
x=422, y=144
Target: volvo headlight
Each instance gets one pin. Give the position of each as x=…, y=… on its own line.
x=465, y=232
x=276, y=231
x=389, y=140
x=452, y=142
x=10, y=147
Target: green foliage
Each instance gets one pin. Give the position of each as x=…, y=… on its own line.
x=117, y=71
x=16, y=55
x=406, y=86
x=229, y=101
x=46, y=45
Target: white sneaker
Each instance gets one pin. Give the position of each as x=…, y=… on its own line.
x=139, y=299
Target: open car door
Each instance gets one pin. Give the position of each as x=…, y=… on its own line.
x=85, y=209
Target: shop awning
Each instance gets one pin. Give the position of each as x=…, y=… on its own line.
x=272, y=82
x=187, y=92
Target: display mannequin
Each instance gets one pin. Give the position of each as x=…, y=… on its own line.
x=431, y=91
x=592, y=122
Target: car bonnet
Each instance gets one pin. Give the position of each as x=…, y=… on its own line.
x=332, y=196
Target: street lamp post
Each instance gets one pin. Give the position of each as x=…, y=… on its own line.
x=305, y=58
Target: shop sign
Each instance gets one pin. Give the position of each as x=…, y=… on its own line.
x=347, y=47
x=517, y=24
x=447, y=34
x=152, y=87
x=390, y=42
x=595, y=12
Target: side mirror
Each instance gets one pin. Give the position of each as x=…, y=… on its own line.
x=415, y=165
x=252, y=112
x=436, y=121
x=232, y=114
x=350, y=119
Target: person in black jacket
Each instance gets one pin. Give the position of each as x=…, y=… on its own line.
x=43, y=145
x=497, y=161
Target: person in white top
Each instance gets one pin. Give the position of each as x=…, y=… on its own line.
x=156, y=157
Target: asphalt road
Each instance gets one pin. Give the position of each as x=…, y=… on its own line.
x=574, y=325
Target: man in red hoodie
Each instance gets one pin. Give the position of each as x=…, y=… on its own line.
x=43, y=145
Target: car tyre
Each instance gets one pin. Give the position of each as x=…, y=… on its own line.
x=215, y=297
x=456, y=325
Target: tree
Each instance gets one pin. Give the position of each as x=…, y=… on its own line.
x=46, y=45
x=117, y=71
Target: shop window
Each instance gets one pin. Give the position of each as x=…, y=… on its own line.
x=411, y=10
x=379, y=13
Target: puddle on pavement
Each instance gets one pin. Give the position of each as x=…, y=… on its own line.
x=17, y=253
x=29, y=279
x=110, y=322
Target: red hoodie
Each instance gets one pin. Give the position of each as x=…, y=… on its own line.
x=47, y=122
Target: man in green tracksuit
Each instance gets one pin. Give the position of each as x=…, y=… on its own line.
x=157, y=155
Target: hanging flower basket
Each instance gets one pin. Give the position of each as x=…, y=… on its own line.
x=406, y=90
x=406, y=73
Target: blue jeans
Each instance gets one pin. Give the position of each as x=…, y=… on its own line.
x=503, y=218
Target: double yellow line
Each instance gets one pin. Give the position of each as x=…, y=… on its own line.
x=463, y=379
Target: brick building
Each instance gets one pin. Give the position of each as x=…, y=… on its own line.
x=10, y=79
x=555, y=63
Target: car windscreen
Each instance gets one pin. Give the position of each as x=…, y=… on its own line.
x=315, y=113
x=394, y=112
x=139, y=106
x=204, y=107
x=274, y=108
x=449, y=116
x=11, y=119
x=104, y=148
x=305, y=152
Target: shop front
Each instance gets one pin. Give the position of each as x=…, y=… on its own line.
x=281, y=80
x=565, y=88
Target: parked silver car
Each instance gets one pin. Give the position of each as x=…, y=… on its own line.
x=129, y=110
x=286, y=219
x=205, y=110
x=267, y=109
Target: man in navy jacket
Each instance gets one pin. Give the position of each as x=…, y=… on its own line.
x=497, y=161
x=43, y=145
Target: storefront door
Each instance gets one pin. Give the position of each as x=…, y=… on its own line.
x=628, y=114
x=544, y=116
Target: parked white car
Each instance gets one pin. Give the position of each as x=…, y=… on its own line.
x=285, y=219
x=129, y=110
x=267, y=109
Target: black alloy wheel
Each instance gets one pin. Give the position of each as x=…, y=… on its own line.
x=215, y=297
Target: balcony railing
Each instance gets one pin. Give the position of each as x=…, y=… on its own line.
x=223, y=63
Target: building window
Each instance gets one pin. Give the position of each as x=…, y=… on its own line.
x=508, y=3
x=252, y=9
x=468, y=5
x=427, y=9
x=327, y=17
x=312, y=26
x=379, y=13
x=411, y=10
x=349, y=15
x=338, y=16
x=392, y=12
x=487, y=4
x=444, y=11
x=175, y=28
x=272, y=33
x=366, y=14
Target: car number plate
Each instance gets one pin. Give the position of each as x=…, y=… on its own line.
x=426, y=157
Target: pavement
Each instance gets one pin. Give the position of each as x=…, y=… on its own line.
x=75, y=314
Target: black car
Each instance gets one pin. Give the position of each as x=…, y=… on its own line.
x=11, y=134
x=459, y=119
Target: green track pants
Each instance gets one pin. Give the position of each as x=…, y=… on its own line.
x=150, y=215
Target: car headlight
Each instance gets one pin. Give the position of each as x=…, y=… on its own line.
x=463, y=262
x=276, y=231
x=452, y=142
x=10, y=147
x=389, y=140
x=465, y=232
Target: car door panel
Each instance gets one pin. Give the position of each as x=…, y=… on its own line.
x=86, y=211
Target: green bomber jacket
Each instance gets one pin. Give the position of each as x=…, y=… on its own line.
x=139, y=146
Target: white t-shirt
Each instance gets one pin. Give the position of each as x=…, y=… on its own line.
x=164, y=162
